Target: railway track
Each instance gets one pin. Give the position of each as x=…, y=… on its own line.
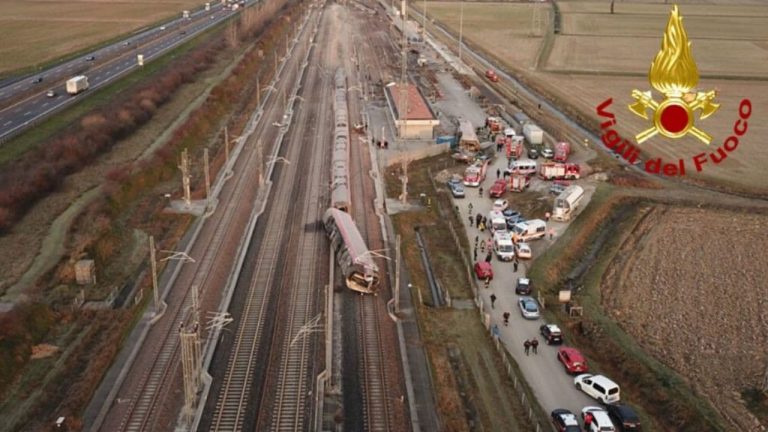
x=268, y=294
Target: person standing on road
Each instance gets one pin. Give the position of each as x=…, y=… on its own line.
x=487, y=282
x=489, y=257
x=482, y=244
x=498, y=173
x=475, y=259
x=588, y=420
x=477, y=238
x=470, y=209
x=535, y=345
x=506, y=319
x=514, y=266
x=471, y=221
x=489, y=243
x=493, y=300
x=527, y=346
x=478, y=219
x=551, y=233
x=481, y=191
x=546, y=217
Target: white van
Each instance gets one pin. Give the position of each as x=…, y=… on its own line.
x=598, y=387
x=497, y=222
x=524, y=166
x=529, y=230
x=503, y=246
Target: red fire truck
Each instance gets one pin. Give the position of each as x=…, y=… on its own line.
x=562, y=150
x=475, y=173
x=559, y=171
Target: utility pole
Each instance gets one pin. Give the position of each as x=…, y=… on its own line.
x=258, y=90
x=403, y=78
x=461, y=27
x=207, y=171
x=184, y=167
x=424, y=20
x=153, y=264
x=226, y=143
x=260, y=161
x=397, y=273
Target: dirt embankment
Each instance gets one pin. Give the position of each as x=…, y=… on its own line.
x=689, y=285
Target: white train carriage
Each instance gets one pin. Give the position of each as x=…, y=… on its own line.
x=356, y=262
x=341, y=78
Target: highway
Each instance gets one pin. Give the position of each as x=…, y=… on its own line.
x=23, y=102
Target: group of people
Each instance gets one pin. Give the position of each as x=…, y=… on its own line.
x=531, y=345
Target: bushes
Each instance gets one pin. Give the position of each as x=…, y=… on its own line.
x=20, y=329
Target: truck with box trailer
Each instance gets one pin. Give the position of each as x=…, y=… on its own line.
x=562, y=151
x=533, y=134
x=567, y=202
x=77, y=84
x=559, y=171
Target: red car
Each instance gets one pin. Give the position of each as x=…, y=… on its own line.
x=572, y=360
x=498, y=188
x=483, y=270
x=491, y=75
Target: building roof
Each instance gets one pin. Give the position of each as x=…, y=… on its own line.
x=418, y=108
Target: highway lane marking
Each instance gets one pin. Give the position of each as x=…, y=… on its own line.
x=45, y=104
x=7, y=123
x=27, y=113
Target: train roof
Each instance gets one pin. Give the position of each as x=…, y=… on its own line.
x=356, y=246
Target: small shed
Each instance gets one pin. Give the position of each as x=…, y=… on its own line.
x=85, y=272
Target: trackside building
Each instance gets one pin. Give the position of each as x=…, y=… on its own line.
x=413, y=116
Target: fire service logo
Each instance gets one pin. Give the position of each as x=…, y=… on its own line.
x=674, y=74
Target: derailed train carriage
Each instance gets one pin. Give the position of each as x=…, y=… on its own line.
x=340, y=193
x=356, y=262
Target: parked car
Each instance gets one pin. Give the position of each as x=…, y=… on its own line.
x=483, y=270
x=529, y=308
x=624, y=417
x=598, y=387
x=565, y=421
x=523, y=250
x=162, y=27
x=50, y=93
x=547, y=153
x=523, y=286
x=500, y=205
x=37, y=80
x=600, y=421
x=457, y=189
x=533, y=153
x=126, y=43
x=551, y=334
x=90, y=58
x=572, y=360
x=498, y=188
x=556, y=189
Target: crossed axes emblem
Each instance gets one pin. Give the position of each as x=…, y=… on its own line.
x=701, y=101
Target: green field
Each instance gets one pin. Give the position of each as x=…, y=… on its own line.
x=42, y=31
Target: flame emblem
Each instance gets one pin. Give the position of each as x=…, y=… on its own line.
x=674, y=74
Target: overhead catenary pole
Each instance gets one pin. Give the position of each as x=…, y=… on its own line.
x=461, y=27
x=424, y=20
x=184, y=167
x=207, y=172
x=153, y=264
x=226, y=142
x=397, y=273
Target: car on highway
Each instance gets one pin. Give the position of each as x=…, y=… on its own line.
x=456, y=187
x=183, y=32
x=596, y=419
x=533, y=153
x=552, y=334
x=529, y=309
x=572, y=359
x=523, y=286
x=624, y=417
x=500, y=205
x=523, y=250
x=162, y=27
x=598, y=387
x=565, y=421
x=547, y=153
x=126, y=43
x=483, y=270
x=90, y=58
x=50, y=93
x=37, y=80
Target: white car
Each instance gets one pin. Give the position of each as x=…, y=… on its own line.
x=500, y=205
x=529, y=308
x=523, y=250
x=547, y=153
x=601, y=422
x=598, y=387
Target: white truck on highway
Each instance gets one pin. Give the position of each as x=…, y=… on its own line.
x=533, y=134
x=77, y=84
x=530, y=230
x=567, y=202
x=503, y=246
